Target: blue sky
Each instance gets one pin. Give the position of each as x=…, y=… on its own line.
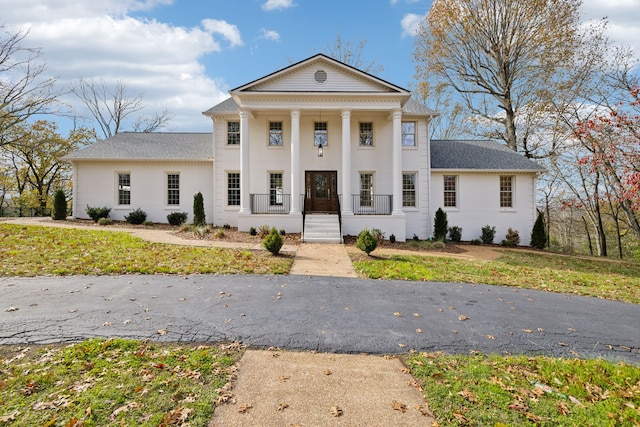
x=184, y=55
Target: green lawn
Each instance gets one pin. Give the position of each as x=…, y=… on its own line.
x=114, y=382
x=35, y=250
x=500, y=391
x=600, y=278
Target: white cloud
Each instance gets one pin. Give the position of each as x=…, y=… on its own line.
x=277, y=4
x=99, y=40
x=410, y=23
x=269, y=34
x=623, y=17
x=229, y=31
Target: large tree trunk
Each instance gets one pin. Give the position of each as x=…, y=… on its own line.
x=586, y=229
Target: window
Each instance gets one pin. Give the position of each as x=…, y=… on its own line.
x=173, y=189
x=233, y=189
x=408, y=134
x=366, y=134
x=409, y=190
x=320, y=133
x=450, y=191
x=366, y=189
x=233, y=133
x=506, y=191
x=124, y=188
x=275, y=189
x=275, y=133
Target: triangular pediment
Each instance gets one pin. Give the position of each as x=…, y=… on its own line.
x=320, y=74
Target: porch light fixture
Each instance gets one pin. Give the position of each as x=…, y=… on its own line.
x=320, y=150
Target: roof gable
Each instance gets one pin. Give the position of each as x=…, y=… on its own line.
x=478, y=155
x=320, y=73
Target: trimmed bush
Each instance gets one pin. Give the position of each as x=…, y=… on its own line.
x=198, y=210
x=59, y=205
x=512, y=238
x=136, y=217
x=96, y=213
x=177, y=218
x=539, y=234
x=366, y=242
x=392, y=238
x=455, y=234
x=273, y=241
x=226, y=226
x=488, y=234
x=252, y=231
x=283, y=232
x=440, y=225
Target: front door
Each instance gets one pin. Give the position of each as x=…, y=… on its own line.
x=321, y=191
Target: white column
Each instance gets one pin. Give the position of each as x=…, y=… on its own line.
x=347, y=205
x=397, y=163
x=245, y=172
x=295, y=162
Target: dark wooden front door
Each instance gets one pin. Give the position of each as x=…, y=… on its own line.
x=321, y=191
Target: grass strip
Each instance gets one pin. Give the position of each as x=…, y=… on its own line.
x=114, y=382
x=527, y=391
x=619, y=281
x=37, y=250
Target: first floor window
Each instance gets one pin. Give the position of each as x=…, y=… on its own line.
x=173, y=189
x=506, y=191
x=366, y=189
x=275, y=189
x=409, y=190
x=233, y=133
x=450, y=191
x=275, y=133
x=233, y=189
x=408, y=134
x=320, y=134
x=366, y=134
x=124, y=188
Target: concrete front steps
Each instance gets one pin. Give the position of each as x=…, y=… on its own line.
x=321, y=229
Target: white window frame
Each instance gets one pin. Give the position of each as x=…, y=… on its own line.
x=321, y=134
x=455, y=191
x=361, y=189
x=276, y=193
x=169, y=189
x=123, y=189
x=278, y=134
x=229, y=189
x=406, y=134
x=366, y=134
x=415, y=189
x=511, y=192
x=234, y=133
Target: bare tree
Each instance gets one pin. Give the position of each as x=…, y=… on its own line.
x=352, y=54
x=25, y=91
x=114, y=108
x=508, y=60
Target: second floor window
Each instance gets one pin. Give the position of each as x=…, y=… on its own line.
x=320, y=134
x=366, y=134
x=275, y=133
x=233, y=133
x=408, y=134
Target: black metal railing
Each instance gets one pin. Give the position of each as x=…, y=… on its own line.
x=372, y=204
x=274, y=203
x=340, y=215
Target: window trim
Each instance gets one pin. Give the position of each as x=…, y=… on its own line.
x=230, y=133
x=229, y=189
x=318, y=132
x=169, y=189
x=414, y=134
x=371, y=203
x=273, y=191
x=446, y=191
x=118, y=189
x=511, y=192
x=361, y=134
x=414, y=174
x=272, y=132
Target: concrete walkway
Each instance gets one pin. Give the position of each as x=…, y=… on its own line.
x=329, y=260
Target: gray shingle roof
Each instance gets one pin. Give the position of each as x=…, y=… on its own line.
x=225, y=107
x=478, y=155
x=149, y=146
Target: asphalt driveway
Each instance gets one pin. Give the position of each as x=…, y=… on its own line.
x=318, y=313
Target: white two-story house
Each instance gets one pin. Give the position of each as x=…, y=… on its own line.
x=316, y=140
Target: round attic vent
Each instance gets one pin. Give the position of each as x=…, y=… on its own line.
x=320, y=76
